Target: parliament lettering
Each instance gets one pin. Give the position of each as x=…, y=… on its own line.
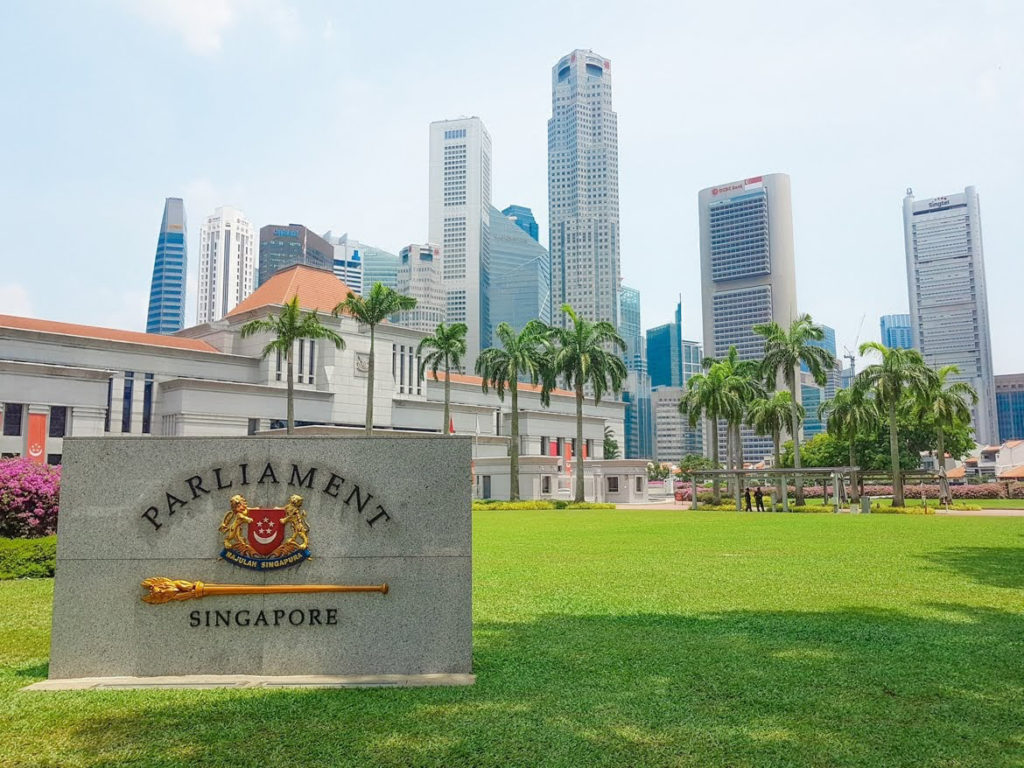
x=221, y=479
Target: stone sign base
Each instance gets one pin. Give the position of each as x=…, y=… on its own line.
x=249, y=681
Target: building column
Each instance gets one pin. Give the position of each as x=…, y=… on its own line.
x=85, y=421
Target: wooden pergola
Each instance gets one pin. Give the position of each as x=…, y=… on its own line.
x=835, y=474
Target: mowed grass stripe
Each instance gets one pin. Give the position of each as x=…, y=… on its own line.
x=628, y=638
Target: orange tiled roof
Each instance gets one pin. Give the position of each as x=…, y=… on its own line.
x=990, y=448
x=957, y=473
x=108, y=334
x=461, y=378
x=1012, y=443
x=972, y=461
x=1014, y=473
x=317, y=289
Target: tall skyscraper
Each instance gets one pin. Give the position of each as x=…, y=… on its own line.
x=638, y=418
x=523, y=217
x=359, y=265
x=284, y=246
x=583, y=187
x=897, y=332
x=520, y=274
x=673, y=435
x=948, y=298
x=1010, y=406
x=693, y=359
x=665, y=350
x=167, y=291
x=419, y=276
x=748, y=272
x=227, y=263
x=460, y=201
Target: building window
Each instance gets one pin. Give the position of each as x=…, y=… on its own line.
x=545, y=484
x=12, y=419
x=613, y=484
x=639, y=484
x=53, y=459
x=277, y=367
x=401, y=369
x=302, y=360
x=58, y=421
x=312, y=354
x=126, y=401
x=110, y=402
x=147, y=404
x=254, y=426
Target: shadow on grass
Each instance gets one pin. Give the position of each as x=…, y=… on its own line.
x=993, y=566
x=846, y=688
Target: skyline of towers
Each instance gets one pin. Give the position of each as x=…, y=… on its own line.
x=227, y=263
x=459, y=221
x=583, y=188
x=748, y=271
x=170, y=270
x=947, y=293
x=896, y=331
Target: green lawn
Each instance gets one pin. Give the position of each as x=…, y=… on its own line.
x=624, y=639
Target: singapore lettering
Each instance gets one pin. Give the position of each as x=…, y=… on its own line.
x=221, y=479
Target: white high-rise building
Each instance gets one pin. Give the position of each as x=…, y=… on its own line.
x=948, y=299
x=227, y=263
x=460, y=200
x=748, y=271
x=419, y=276
x=348, y=260
x=583, y=188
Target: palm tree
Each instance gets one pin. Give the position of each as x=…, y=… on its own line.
x=290, y=325
x=900, y=377
x=372, y=310
x=784, y=350
x=581, y=355
x=947, y=405
x=771, y=416
x=520, y=356
x=709, y=395
x=850, y=413
x=611, y=445
x=446, y=348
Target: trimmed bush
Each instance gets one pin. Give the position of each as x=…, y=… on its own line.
x=29, y=498
x=511, y=506
x=884, y=509
x=28, y=558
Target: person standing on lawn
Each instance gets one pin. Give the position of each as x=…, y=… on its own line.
x=759, y=498
x=746, y=500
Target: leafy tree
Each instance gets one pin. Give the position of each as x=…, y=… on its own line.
x=784, y=350
x=900, y=380
x=288, y=326
x=581, y=354
x=520, y=356
x=657, y=471
x=770, y=416
x=852, y=412
x=709, y=395
x=611, y=445
x=694, y=462
x=946, y=405
x=372, y=310
x=444, y=349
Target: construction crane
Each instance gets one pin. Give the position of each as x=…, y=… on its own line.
x=850, y=355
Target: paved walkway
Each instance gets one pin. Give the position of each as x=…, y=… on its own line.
x=672, y=504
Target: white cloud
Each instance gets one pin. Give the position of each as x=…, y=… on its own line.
x=14, y=300
x=203, y=24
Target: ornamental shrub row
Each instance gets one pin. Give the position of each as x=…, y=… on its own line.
x=29, y=498
x=28, y=558
x=479, y=504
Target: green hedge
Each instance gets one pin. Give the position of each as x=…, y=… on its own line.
x=28, y=558
x=479, y=504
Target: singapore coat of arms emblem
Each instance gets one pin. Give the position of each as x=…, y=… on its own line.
x=258, y=538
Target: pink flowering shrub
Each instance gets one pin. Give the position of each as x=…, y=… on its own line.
x=29, y=498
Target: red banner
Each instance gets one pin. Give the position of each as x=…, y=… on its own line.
x=568, y=457
x=553, y=448
x=37, y=437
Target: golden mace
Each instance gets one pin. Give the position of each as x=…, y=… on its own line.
x=163, y=590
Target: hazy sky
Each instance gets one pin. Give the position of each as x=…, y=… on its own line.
x=317, y=113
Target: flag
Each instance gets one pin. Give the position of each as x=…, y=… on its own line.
x=451, y=425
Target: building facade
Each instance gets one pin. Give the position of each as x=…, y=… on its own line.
x=520, y=276
x=674, y=438
x=170, y=267
x=583, y=188
x=285, y=246
x=419, y=276
x=948, y=297
x=896, y=331
x=347, y=263
x=459, y=221
x=636, y=393
x=665, y=352
x=227, y=263
x=1010, y=406
x=77, y=380
x=523, y=218
x=748, y=271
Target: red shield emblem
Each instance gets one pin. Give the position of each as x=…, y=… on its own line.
x=266, y=531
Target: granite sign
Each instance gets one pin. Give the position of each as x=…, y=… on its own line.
x=269, y=556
